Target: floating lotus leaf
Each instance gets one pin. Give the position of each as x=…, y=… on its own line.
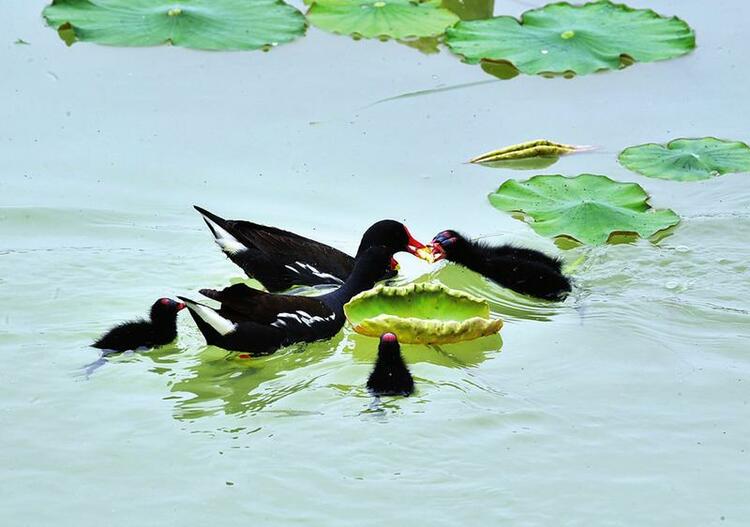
x=562, y=38
x=587, y=208
x=525, y=156
x=381, y=18
x=421, y=314
x=201, y=24
x=688, y=159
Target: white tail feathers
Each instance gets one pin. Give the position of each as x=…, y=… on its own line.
x=223, y=238
x=211, y=317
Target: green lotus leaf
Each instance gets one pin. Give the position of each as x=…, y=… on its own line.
x=527, y=156
x=587, y=208
x=688, y=159
x=381, y=18
x=421, y=314
x=200, y=24
x=562, y=38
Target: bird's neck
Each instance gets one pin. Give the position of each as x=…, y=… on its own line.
x=164, y=324
x=467, y=253
x=390, y=362
x=359, y=280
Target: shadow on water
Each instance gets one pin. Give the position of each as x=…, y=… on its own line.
x=216, y=380
x=461, y=355
x=532, y=163
x=503, y=302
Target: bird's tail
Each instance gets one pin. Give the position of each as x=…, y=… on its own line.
x=211, y=324
x=222, y=232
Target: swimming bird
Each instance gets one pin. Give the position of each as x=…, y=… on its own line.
x=280, y=259
x=525, y=271
x=390, y=376
x=259, y=323
x=160, y=329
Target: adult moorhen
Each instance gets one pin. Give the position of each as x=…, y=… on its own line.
x=523, y=270
x=159, y=330
x=259, y=323
x=280, y=259
x=390, y=376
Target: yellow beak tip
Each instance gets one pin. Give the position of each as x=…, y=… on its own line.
x=425, y=253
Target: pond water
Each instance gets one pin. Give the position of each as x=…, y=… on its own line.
x=626, y=405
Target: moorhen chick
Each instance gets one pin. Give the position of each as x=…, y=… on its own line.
x=259, y=323
x=390, y=376
x=160, y=329
x=280, y=259
x=525, y=271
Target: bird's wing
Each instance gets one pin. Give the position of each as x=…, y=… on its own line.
x=240, y=302
x=295, y=254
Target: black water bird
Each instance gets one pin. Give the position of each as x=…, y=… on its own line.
x=390, y=376
x=525, y=271
x=259, y=323
x=160, y=329
x=280, y=259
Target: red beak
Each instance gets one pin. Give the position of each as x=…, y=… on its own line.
x=394, y=265
x=181, y=306
x=417, y=248
x=438, y=253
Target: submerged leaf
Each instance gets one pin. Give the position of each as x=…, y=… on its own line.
x=67, y=34
x=421, y=314
x=427, y=45
x=688, y=159
x=399, y=19
x=470, y=9
x=201, y=24
x=560, y=38
x=588, y=208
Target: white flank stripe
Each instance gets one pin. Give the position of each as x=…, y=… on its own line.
x=317, y=273
x=301, y=317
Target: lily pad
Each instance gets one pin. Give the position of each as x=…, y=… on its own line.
x=399, y=19
x=201, y=24
x=588, y=208
x=561, y=38
x=688, y=159
x=527, y=156
x=421, y=314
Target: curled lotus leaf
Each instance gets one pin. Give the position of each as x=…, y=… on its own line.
x=199, y=24
x=531, y=154
x=561, y=38
x=588, y=208
x=401, y=19
x=421, y=313
x=688, y=159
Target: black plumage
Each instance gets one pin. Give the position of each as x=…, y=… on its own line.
x=259, y=323
x=390, y=376
x=525, y=271
x=280, y=259
x=160, y=329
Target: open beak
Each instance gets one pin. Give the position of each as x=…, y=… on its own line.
x=181, y=306
x=417, y=248
x=437, y=253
